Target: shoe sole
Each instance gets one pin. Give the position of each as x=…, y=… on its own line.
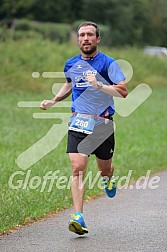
x=77, y=228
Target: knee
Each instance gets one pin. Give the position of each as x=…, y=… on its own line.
x=77, y=172
x=79, y=164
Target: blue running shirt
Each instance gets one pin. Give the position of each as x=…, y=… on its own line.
x=85, y=98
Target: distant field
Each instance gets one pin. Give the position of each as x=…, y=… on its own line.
x=140, y=138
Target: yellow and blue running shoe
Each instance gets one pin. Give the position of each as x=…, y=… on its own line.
x=110, y=186
x=77, y=224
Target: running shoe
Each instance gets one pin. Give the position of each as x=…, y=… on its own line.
x=77, y=224
x=110, y=186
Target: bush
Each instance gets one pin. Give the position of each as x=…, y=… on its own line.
x=59, y=32
x=106, y=36
x=28, y=29
x=19, y=34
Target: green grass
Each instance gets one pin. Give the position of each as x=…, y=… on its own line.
x=140, y=137
x=19, y=59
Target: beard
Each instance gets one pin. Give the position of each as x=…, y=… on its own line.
x=89, y=51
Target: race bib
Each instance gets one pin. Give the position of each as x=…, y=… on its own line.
x=83, y=123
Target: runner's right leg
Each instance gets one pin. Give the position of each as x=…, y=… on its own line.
x=79, y=164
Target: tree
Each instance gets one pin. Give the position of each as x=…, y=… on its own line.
x=137, y=22
x=15, y=8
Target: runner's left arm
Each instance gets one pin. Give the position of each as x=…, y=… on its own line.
x=118, y=90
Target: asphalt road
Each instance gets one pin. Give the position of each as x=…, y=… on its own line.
x=135, y=220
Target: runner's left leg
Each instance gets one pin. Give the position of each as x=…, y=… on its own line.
x=105, y=167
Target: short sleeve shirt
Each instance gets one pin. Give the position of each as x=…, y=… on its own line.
x=85, y=98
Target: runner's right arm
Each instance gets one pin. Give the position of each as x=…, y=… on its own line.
x=64, y=92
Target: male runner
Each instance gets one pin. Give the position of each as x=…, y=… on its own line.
x=93, y=78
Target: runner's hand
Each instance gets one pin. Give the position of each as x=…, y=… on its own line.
x=46, y=104
x=91, y=78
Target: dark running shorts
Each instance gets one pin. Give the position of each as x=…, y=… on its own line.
x=101, y=142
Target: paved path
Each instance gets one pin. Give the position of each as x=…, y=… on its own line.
x=136, y=220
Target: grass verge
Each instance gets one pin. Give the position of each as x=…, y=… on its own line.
x=140, y=146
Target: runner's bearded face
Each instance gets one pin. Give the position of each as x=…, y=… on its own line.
x=87, y=40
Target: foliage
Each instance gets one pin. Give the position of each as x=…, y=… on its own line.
x=22, y=28
x=52, y=31
x=137, y=22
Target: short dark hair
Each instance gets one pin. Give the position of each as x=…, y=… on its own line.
x=86, y=23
